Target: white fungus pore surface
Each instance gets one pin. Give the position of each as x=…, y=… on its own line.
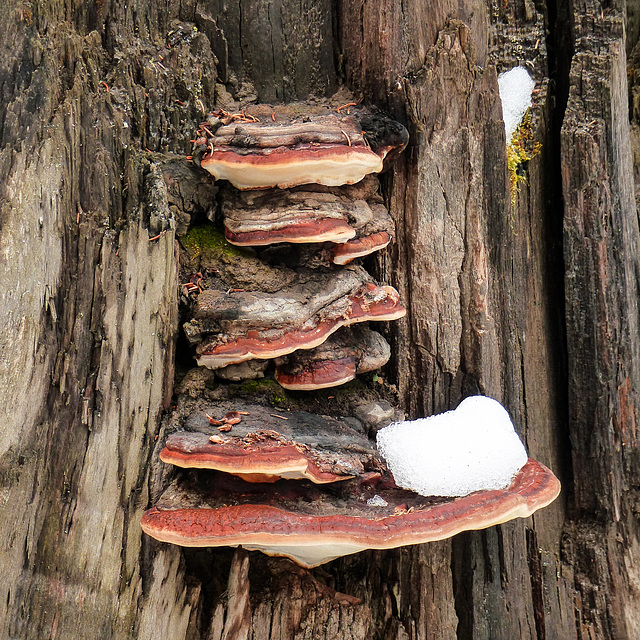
x=455, y=453
x=516, y=87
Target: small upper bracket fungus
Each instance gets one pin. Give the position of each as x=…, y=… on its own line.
x=258, y=218
x=313, y=524
x=359, y=247
x=328, y=149
x=265, y=447
x=349, y=351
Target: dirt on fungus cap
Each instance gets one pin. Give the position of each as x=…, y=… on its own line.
x=267, y=445
x=314, y=524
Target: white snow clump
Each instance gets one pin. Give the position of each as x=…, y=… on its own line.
x=516, y=87
x=377, y=501
x=472, y=448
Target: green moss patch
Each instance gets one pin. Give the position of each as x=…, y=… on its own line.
x=208, y=242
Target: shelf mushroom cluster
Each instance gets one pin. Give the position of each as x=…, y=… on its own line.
x=305, y=180
x=303, y=486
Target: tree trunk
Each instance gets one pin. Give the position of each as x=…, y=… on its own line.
x=535, y=305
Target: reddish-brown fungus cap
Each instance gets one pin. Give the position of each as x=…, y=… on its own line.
x=370, y=302
x=319, y=374
x=302, y=231
x=267, y=445
x=265, y=457
x=330, y=165
x=349, y=351
x=328, y=150
x=314, y=524
x=309, y=213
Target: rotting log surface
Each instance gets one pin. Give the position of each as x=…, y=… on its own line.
x=89, y=311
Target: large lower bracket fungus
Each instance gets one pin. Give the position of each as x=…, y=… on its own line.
x=328, y=149
x=244, y=325
x=313, y=524
x=266, y=446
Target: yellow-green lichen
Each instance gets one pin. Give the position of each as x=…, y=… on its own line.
x=520, y=149
x=277, y=400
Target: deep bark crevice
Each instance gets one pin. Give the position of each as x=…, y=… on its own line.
x=560, y=47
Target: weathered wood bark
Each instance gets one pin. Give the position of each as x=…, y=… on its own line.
x=534, y=305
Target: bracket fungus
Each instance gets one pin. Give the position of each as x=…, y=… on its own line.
x=310, y=213
x=313, y=524
x=300, y=485
x=265, y=446
x=359, y=247
x=349, y=351
x=325, y=149
x=244, y=325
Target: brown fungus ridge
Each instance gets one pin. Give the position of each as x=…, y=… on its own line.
x=314, y=524
x=360, y=247
x=236, y=325
x=349, y=351
x=267, y=445
x=306, y=294
x=328, y=149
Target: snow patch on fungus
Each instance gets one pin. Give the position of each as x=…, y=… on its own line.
x=472, y=448
x=516, y=87
x=377, y=501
